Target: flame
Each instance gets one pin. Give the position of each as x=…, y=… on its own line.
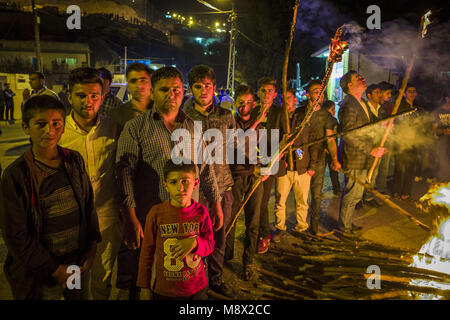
x=425, y=23
x=435, y=253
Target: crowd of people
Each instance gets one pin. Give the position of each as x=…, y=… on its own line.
x=100, y=185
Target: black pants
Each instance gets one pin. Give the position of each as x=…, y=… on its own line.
x=215, y=259
x=128, y=261
x=242, y=186
x=404, y=171
x=200, y=295
x=316, y=194
x=2, y=110
x=334, y=176
x=10, y=110
x=264, y=227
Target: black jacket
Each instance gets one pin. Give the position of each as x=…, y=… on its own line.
x=309, y=160
x=28, y=262
x=355, y=148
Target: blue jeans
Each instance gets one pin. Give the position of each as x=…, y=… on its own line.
x=353, y=193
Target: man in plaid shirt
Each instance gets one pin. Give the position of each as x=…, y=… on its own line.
x=111, y=102
x=357, y=150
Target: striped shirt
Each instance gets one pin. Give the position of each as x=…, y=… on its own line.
x=110, y=103
x=144, y=147
x=60, y=212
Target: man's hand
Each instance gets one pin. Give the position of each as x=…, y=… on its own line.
x=132, y=233
x=183, y=247
x=378, y=152
x=88, y=259
x=146, y=294
x=311, y=172
x=257, y=173
x=61, y=275
x=335, y=165
x=217, y=216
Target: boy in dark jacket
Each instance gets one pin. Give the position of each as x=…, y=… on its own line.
x=47, y=211
x=244, y=175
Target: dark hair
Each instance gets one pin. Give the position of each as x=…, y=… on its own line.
x=267, y=81
x=291, y=90
x=410, y=85
x=385, y=86
x=371, y=88
x=312, y=83
x=328, y=104
x=243, y=89
x=137, y=66
x=39, y=74
x=41, y=103
x=105, y=74
x=346, y=79
x=184, y=166
x=201, y=72
x=84, y=76
x=166, y=73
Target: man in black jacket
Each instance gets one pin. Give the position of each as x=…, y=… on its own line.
x=245, y=174
x=271, y=119
x=299, y=177
x=357, y=150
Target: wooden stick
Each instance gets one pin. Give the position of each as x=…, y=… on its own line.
x=284, y=77
x=386, y=200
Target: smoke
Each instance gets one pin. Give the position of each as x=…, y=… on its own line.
x=392, y=47
x=318, y=20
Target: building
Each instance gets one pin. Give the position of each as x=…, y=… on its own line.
x=56, y=56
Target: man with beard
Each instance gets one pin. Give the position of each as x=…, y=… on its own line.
x=145, y=145
x=357, y=150
x=95, y=138
x=202, y=82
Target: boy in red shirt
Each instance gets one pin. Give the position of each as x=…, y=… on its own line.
x=178, y=233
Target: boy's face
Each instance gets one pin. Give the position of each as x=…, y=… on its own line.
x=386, y=95
x=180, y=186
x=267, y=93
x=139, y=85
x=245, y=104
x=291, y=101
x=203, y=92
x=86, y=99
x=313, y=93
x=45, y=128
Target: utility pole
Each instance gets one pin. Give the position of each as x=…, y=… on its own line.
x=125, y=62
x=36, y=37
x=232, y=53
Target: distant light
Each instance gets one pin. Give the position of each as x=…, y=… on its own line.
x=174, y=15
x=190, y=18
x=174, y=65
x=199, y=39
x=217, y=24
x=223, y=24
